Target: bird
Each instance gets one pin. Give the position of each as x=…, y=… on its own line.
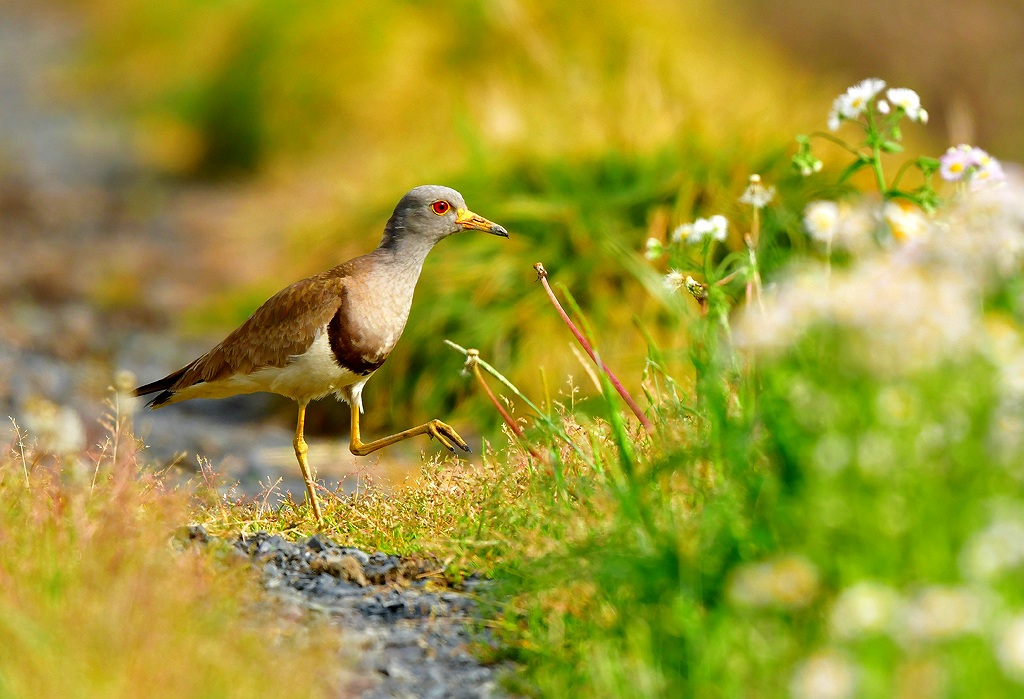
x=328, y=333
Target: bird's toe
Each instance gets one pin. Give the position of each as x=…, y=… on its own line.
x=447, y=436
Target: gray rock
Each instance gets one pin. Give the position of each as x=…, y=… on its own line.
x=415, y=640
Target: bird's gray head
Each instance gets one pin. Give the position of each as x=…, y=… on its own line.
x=431, y=212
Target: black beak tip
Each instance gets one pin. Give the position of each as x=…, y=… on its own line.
x=499, y=230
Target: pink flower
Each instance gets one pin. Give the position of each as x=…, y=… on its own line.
x=968, y=163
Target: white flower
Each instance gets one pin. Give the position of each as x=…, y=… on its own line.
x=865, y=91
x=681, y=233
x=941, y=613
x=824, y=675
x=935, y=320
x=909, y=101
x=906, y=221
x=864, y=608
x=994, y=550
x=1010, y=649
x=787, y=582
x=674, y=280
x=653, y=249
x=833, y=116
x=719, y=227
x=821, y=219
x=883, y=106
x=854, y=101
x=940, y=282
x=714, y=228
x=756, y=194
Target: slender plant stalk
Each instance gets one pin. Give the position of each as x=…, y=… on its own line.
x=754, y=287
x=21, y=447
x=499, y=376
x=473, y=363
x=542, y=274
x=543, y=417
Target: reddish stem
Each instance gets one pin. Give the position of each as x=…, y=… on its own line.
x=542, y=274
x=512, y=424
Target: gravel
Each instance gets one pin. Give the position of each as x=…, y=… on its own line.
x=408, y=627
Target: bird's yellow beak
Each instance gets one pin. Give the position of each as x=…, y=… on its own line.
x=468, y=221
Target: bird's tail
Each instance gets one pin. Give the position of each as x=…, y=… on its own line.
x=162, y=387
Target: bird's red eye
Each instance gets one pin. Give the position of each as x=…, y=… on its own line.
x=440, y=207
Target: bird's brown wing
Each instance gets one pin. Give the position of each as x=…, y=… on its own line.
x=285, y=326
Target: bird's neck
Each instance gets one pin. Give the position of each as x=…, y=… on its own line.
x=405, y=252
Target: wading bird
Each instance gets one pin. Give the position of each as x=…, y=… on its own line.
x=330, y=332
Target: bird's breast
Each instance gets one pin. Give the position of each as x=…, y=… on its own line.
x=368, y=323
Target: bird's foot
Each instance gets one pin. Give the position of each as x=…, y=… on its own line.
x=447, y=436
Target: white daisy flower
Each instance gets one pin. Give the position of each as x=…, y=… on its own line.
x=860, y=95
x=854, y=101
x=1010, y=649
x=863, y=609
x=720, y=226
x=835, y=114
x=906, y=221
x=940, y=613
x=907, y=100
x=714, y=227
x=883, y=106
x=821, y=219
x=824, y=675
x=681, y=233
x=784, y=582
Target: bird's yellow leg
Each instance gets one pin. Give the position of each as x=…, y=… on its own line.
x=300, y=453
x=442, y=432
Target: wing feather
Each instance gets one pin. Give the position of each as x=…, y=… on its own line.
x=285, y=326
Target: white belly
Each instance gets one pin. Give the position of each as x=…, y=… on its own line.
x=312, y=375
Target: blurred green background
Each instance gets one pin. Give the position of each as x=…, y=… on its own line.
x=279, y=135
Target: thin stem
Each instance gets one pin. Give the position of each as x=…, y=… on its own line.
x=751, y=241
x=21, y=448
x=901, y=172
x=543, y=276
x=755, y=228
x=757, y=277
x=473, y=357
x=728, y=278
x=875, y=141
x=500, y=377
x=838, y=141
x=828, y=261
x=542, y=416
x=879, y=175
